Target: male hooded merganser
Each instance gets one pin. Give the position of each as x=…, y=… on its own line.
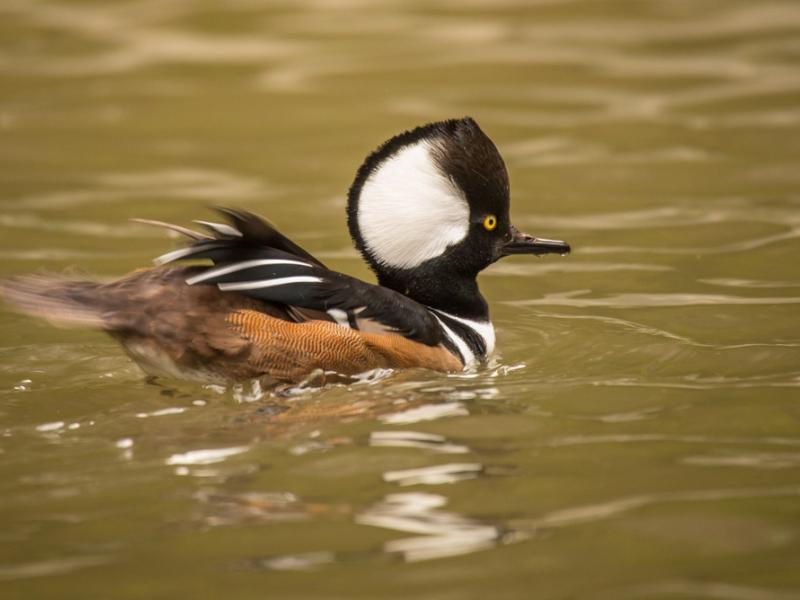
x=428, y=210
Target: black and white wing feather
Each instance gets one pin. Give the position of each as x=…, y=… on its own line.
x=251, y=257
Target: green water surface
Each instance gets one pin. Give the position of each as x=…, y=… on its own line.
x=638, y=435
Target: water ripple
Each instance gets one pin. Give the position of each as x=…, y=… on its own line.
x=428, y=412
x=590, y=513
x=656, y=332
x=748, y=283
x=192, y=183
x=532, y=269
x=205, y=456
x=445, y=533
x=48, y=568
x=133, y=40
x=435, y=474
x=731, y=210
x=415, y=439
x=576, y=298
x=637, y=438
x=756, y=460
x=713, y=590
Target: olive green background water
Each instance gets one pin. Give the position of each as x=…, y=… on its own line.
x=639, y=433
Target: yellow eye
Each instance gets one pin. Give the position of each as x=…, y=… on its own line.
x=490, y=222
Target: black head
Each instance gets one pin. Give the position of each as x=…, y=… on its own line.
x=432, y=204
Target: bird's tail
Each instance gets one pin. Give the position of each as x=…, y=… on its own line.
x=56, y=299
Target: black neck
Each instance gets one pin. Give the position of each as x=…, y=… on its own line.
x=453, y=293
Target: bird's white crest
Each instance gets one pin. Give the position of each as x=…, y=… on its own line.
x=409, y=211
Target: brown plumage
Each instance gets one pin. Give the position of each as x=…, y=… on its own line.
x=198, y=332
x=289, y=351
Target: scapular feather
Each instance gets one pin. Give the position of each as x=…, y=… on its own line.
x=253, y=258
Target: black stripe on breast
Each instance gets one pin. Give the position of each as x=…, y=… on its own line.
x=472, y=338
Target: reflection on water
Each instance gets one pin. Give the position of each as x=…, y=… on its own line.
x=206, y=456
x=51, y=567
x=693, y=589
x=575, y=298
x=176, y=184
x=759, y=460
x=427, y=412
x=226, y=509
x=415, y=439
x=434, y=475
x=445, y=533
x=637, y=432
x=582, y=514
x=293, y=562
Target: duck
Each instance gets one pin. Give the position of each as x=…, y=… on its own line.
x=428, y=210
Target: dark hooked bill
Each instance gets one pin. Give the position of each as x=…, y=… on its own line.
x=523, y=243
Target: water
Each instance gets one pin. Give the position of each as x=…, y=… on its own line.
x=639, y=434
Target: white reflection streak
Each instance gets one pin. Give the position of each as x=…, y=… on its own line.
x=206, y=456
x=298, y=562
x=435, y=475
x=126, y=445
x=172, y=410
x=415, y=439
x=48, y=427
x=429, y=412
x=446, y=533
